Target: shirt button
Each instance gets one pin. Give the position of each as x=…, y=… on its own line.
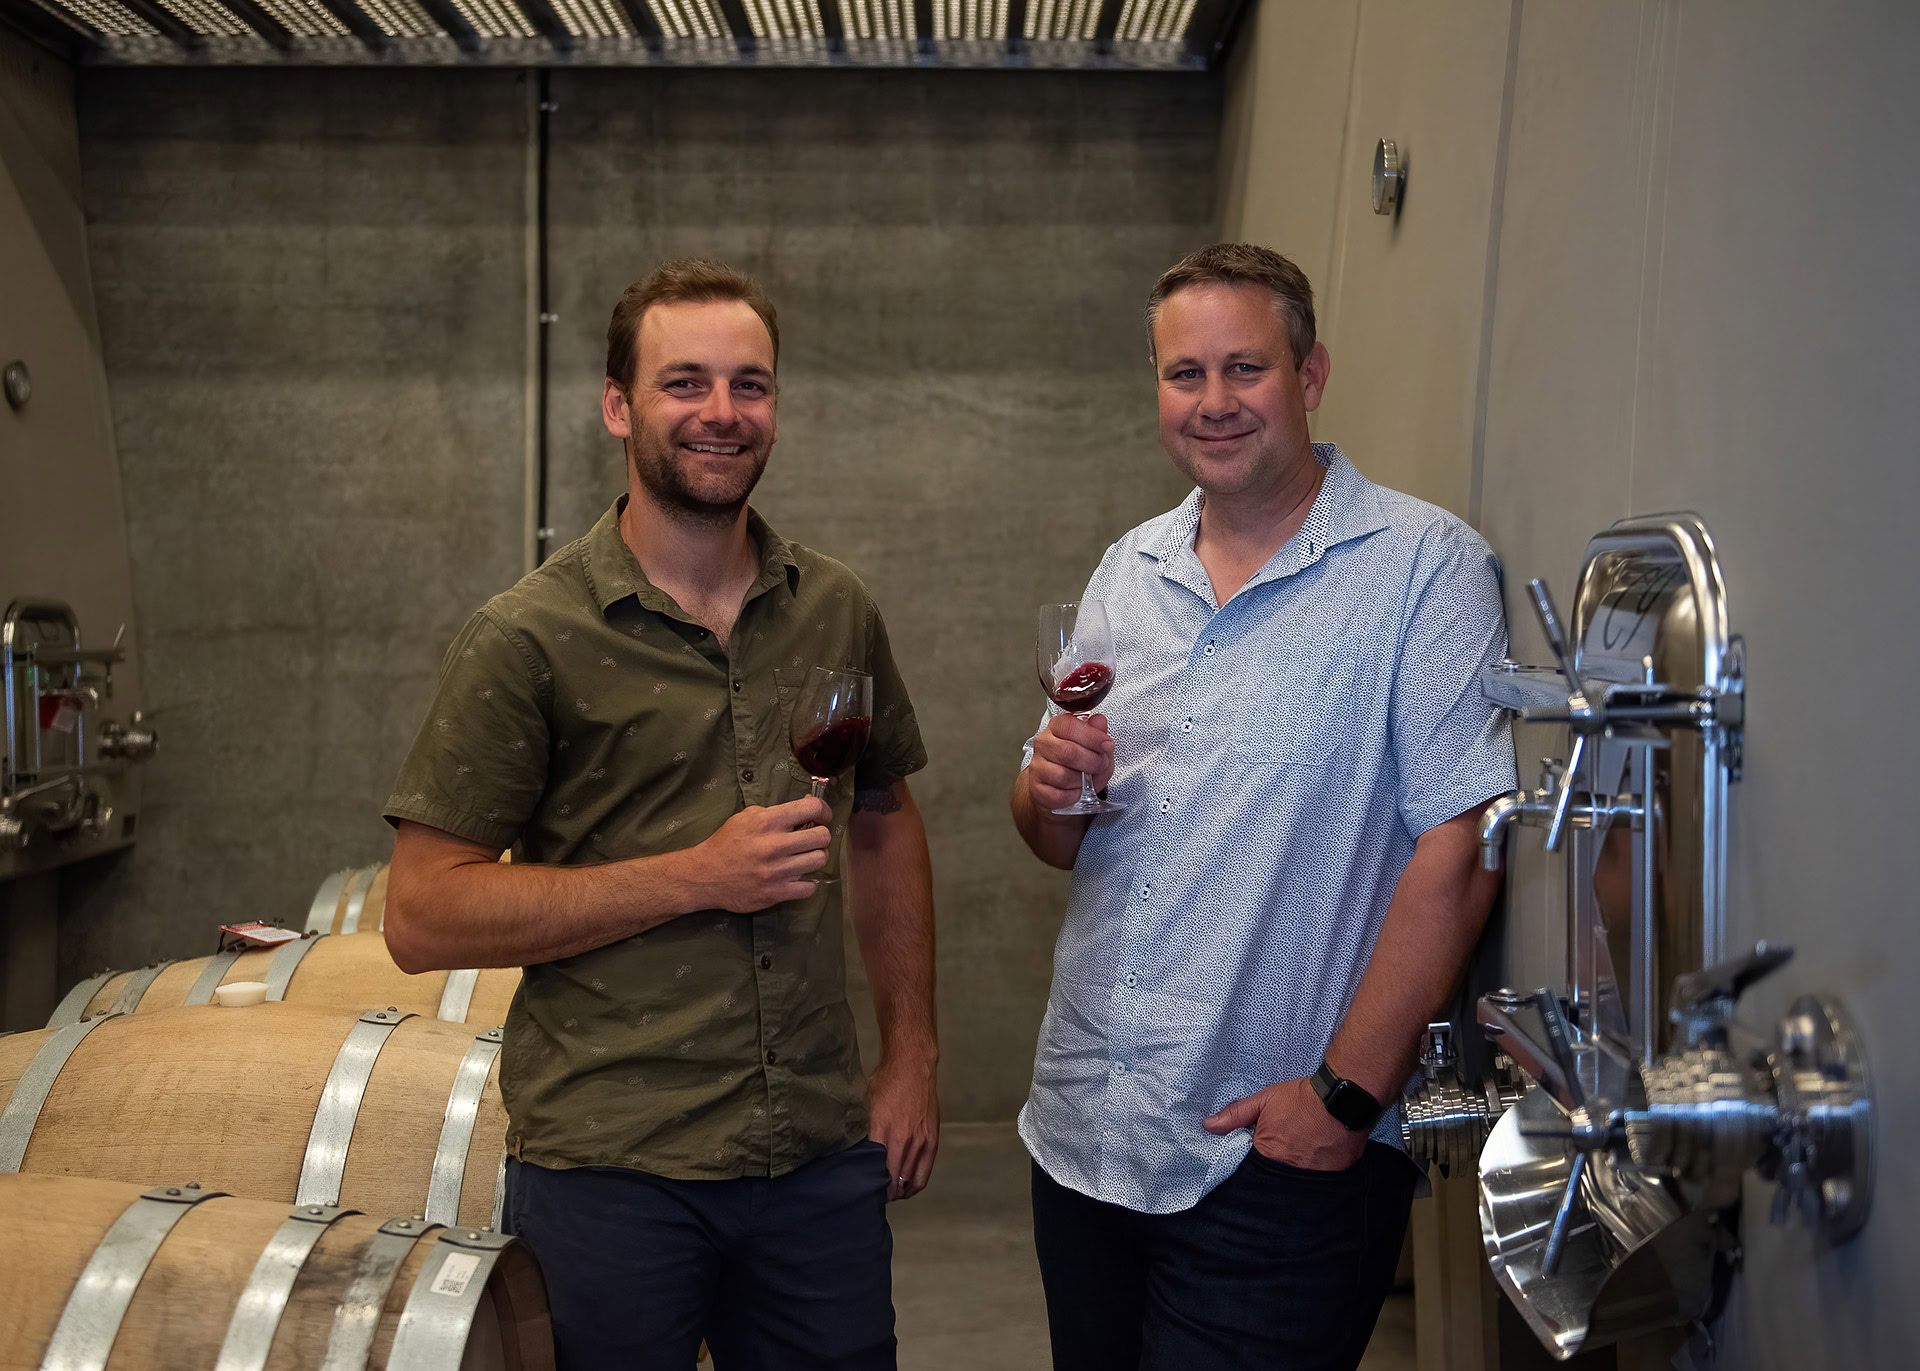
x=1209, y=649
x=746, y=775
x=1187, y=726
x=1130, y=980
x=1119, y=1068
x=766, y=963
x=772, y=1056
x=736, y=687
x=1165, y=805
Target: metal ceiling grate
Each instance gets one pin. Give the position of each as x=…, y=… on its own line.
x=1170, y=35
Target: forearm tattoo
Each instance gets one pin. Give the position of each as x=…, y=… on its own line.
x=881, y=801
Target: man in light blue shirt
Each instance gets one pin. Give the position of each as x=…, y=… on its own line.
x=1254, y=944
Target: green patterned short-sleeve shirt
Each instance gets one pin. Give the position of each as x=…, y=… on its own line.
x=585, y=717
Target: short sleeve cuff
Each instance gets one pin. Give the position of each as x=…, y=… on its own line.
x=1472, y=785
x=449, y=819
x=880, y=772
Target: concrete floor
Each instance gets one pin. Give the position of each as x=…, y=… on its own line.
x=966, y=1290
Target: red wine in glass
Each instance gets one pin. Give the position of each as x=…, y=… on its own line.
x=1075, y=657
x=832, y=717
x=833, y=748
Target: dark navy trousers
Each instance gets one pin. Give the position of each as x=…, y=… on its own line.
x=1277, y=1267
x=792, y=1273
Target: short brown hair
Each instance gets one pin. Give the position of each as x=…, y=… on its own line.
x=1243, y=264
x=694, y=280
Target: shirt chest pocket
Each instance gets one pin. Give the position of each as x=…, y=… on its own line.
x=1303, y=712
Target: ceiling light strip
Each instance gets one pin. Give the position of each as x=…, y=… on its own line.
x=997, y=21
x=616, y=18
x=716, y=27
x=399, y=18
x=1183, y=22
x=305, y=19
x=101, y=16
x=757, y=23
x=207, y=17
x=588, y=19
x=667, y=15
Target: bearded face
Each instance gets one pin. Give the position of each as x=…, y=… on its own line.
x=698, y=419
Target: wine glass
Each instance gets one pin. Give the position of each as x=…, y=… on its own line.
x=832, y=716
x=1074, y=652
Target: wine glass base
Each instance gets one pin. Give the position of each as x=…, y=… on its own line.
x=824, y=880
x=1095, y=806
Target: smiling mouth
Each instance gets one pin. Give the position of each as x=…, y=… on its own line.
x=1222, y=437
x=717, y=449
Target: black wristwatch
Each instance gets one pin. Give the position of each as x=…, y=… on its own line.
x=1349, y=1103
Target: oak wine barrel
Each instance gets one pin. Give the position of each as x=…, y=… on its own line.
x=350, y=901
x=354, y=900
x=387, y=1112
x=106, y=1274
x=348, y=971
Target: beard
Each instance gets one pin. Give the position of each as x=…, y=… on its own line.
x=685, y=495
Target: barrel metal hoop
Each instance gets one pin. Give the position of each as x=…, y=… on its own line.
x=438, y=1317
x=456, y=1129
x=357, y=1318
x=458, y=995
x=73, y=1007
x=325, y=1161
x=30, y=1091
x=83, y=1339
x=210, y=977
x=257, y=1316
x=136, y=987
x=286, y=961
x=325, y=901
x=357, y=887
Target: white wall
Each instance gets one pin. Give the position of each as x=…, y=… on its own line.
x=1704, y=297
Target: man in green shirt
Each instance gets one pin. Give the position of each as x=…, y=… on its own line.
x=693, y=1151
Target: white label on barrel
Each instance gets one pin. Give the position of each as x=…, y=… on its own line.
x=456, y=1273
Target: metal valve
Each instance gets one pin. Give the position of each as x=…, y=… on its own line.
x=1445, y=1122
x=133, y=742
x=1798, y=1110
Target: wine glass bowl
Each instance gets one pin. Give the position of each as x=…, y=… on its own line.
x=832, y=719
x=1074, y=654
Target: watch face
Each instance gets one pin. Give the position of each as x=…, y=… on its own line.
x=1353, y=1106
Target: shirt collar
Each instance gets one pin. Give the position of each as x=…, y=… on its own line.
x=613, y=572
x=1347, y=507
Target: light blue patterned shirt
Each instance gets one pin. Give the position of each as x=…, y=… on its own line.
x=1277, y=757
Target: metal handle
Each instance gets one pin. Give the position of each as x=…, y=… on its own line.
x=1556, y=639
x=1563, y=797
x=1563, y=1218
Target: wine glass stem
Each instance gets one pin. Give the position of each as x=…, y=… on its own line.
x=819, y=789
x=1087, y=797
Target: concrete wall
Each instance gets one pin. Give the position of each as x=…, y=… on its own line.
x=1702, y=298
x=311, y=301
x=313, y=297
